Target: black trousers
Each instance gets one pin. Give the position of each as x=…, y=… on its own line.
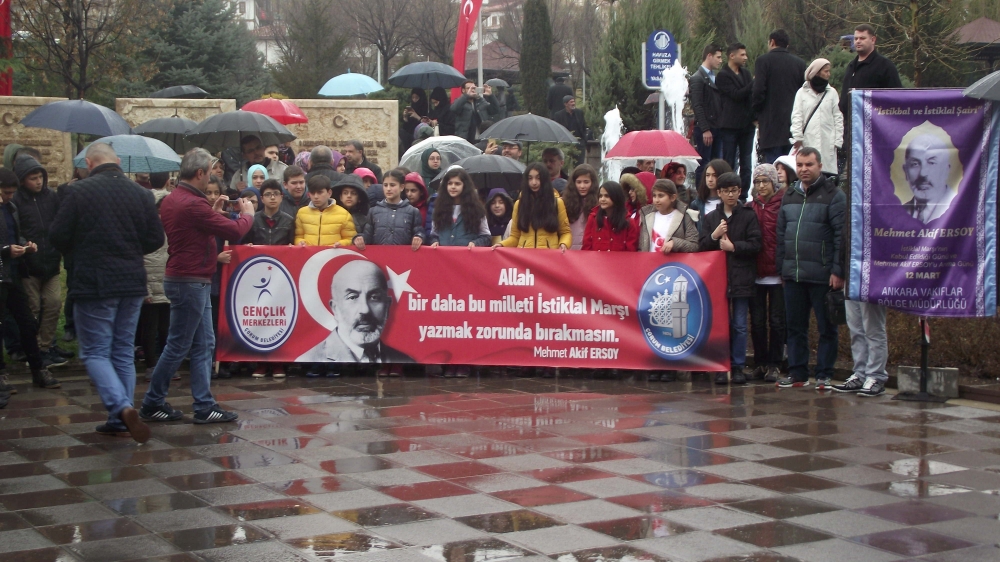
x=767, y=321
x=14, y=300
x=154, y=322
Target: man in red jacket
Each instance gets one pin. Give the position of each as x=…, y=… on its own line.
x=191, y=225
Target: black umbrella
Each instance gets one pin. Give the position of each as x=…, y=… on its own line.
x=497, y=83
x=77, y=116
x=170, y=130
x=489, y=171
x=225, y=130
x=181, y=92
x=530, y=128
x=987, y=88
x=427, y=75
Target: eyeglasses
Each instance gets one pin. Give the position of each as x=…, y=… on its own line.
x=729, y=191
x=271, y=195
x=761, y=181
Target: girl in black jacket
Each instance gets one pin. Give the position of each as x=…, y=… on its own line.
x=734, y=229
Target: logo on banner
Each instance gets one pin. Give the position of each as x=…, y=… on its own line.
x=263, y=303
x=675, y=311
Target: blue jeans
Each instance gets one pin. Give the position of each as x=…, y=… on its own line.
x=708, y=153
x=106, y=334
x=772, y=154
x=191, y=334
x=739, y=141
x=738, y=310
x=799, y=298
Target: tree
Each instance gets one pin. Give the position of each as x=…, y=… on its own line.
x=720, y=18
x=536, y=56
x=80, y=43
x=617, y=76
x=207, y=46
x=311, y=46
x=435, y=23
x=753, y=30
x=827, y=21
x=385, y=23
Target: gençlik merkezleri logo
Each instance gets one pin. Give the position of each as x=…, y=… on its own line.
x=263, y=303
x=675, y=311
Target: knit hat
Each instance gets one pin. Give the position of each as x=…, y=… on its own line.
x=647, y=179
x=767, y=171
x=814, y=68
x=365, y=173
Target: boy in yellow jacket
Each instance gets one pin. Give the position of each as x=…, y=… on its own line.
x=323, y=222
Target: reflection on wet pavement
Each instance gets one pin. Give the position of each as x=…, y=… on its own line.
x=575, y=470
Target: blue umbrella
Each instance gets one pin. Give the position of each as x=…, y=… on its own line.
x=77, y=116
x=138, y=154
x=350, y=84
x=427, y=75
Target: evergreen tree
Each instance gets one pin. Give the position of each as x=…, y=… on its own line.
x=536, y=56
x=207, y=46
x=754, y=30
x=717, y=17
x=617, y=72
x=311, y=47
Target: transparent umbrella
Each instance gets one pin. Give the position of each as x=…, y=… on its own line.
x=452, y=150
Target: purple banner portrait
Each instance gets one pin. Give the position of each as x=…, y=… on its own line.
x=923, y=201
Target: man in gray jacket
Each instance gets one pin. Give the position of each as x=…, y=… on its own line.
x=471, y=109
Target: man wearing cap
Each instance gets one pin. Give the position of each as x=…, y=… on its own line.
x=511, y=149
x=557, y=96
x=573, y=120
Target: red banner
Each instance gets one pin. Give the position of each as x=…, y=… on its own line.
x=6, y=75
x=467, y=20
x=390, y=304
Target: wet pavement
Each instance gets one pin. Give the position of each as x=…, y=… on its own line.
x=577, y=469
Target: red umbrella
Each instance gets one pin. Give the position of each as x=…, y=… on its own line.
x=282, y=111
x=652, y=144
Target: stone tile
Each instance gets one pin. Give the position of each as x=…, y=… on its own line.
x=130, y=489
x=980, y=503
x=64, y=514
x=228, y=495
x=112, y=550
x=632, y=466
x=500, y=482
x=850, y=498
x=470, y=504
x=391, y=477
x=437, y=531
x=354, y=499
x=22, y=539
x=975, y=479
x=523, y=463
x=974, y=554
x=845, y=523
x=863, y=455
x=553, y=540
x=182, y=468
x=763, y=434
x=912, y=541
x=754, y=452
x=915, y=512
x=587, y=511
x=184, y=519
x=713, y=518
x=836, y=550
x=611, y=487
x=696, y=547
x=421, y=458
x=271, y=551
x=28, y=484
x=667, y=432
x=728, y=493
x=297, y=526
x=744, y=471
x=282, y=473
x=857, y=475
x=973, y=529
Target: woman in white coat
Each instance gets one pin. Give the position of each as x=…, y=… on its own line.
x=816, y=117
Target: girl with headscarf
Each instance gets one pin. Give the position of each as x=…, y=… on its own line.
x=440, y=112
x=816, y=117
x=431, y=163
x=302, y=160
x=258, y=175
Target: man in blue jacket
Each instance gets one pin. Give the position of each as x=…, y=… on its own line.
x=809, y=252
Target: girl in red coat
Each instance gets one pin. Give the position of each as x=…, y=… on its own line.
x=608, y=227
x=768, y=304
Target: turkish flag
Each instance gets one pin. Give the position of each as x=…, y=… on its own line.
x=7, y=75
x=466, y=23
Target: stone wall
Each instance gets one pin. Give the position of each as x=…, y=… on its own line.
x=334, y=122
x=139, y=110
x=57, y=152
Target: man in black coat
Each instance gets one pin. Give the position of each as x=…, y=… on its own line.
x=778, y=76
x=706, y=104
x=321, y=164
x=736, y=121
x=354, y=158
x=108, y=224
x=557, y=92
x=868, y=70
x=573, y=120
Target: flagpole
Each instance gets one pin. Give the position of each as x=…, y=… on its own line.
x=479, y=47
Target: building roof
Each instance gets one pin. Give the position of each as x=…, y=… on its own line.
x=982, y=30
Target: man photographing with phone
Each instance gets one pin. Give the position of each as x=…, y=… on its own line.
x=474, y=106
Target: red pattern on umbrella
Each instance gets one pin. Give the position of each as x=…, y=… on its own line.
x=653, y=144
x=282, y=111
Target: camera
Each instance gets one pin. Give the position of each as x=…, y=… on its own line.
x=233, y=205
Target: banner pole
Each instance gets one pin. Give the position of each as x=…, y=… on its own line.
x=925, y=346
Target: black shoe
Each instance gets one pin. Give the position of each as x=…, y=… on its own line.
x=112, y=430
x=773, y=374
x=44, y=379
x=758, y=373
x=5, y=386
x=668, y=376
x=789, y=382
x=62, y=352
x=852, y=384
x=654, y=376
x=215, y=414
x=52, y=359
x=4, y=399
x=18, y=356
x=161, y=413
x=738, y=376
x=722, y=378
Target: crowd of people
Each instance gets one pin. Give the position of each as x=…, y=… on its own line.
x=146, y=276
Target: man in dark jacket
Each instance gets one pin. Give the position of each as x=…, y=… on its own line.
x=38, y=206
x=109, y=278
x=809, y=253
x=192, y=225
x=557, y=93
x=471, y=109
x=252, y=150
x=354, y=158
x=778, y=75
x=736, y=120
x=321, y=164
x=573, y=120
x=705, y=102
x=295, y=191
x=13, y=248
x=866, y=320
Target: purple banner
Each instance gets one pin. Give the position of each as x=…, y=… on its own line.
x=923, y=201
